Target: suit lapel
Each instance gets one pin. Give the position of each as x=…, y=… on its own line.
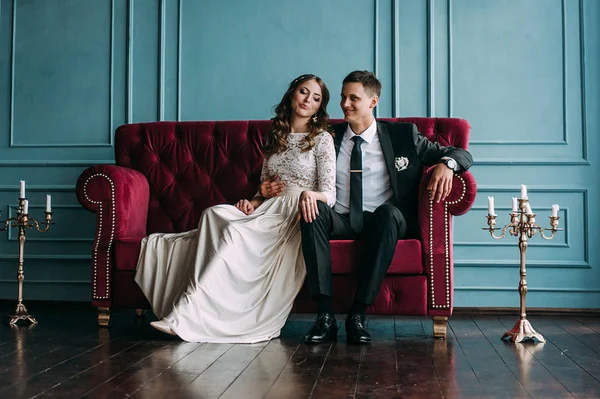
x=388, y=155
x=339, y=130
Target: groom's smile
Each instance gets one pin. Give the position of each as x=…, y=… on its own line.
x=357, y=105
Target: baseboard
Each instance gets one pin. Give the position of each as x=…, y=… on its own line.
x=42, y=303
x=530, y=311
x=498, y=311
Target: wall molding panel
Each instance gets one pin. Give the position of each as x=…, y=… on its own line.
x=569, y=249
x=179, y=41
x=68, y=162
x=48, y=257
x=563, y=141
x=507, y=242
x=529, y=289
x=571, y=147
x=161, y=62
x=514, y=263
x=13, y=137
x=582, y=82
x=430, y=59
x=129, y=111
x=53, y=282
x=37, y=211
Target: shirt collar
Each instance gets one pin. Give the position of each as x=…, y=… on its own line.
x=367, y=135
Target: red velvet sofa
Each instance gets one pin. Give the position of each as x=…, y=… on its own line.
x=167, y=173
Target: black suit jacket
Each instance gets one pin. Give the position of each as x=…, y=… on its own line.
x=403, y=140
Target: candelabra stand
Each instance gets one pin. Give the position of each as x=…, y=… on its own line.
x=22, y=221
x=522, y=225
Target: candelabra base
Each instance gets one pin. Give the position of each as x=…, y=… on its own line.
x=21, y=314
x=523, y=331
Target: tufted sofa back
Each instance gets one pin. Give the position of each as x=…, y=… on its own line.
x=193, y=165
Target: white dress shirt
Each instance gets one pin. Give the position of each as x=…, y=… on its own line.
x=377, y=189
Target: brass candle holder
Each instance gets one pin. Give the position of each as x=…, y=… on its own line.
x=522, y=225
x=23, y=222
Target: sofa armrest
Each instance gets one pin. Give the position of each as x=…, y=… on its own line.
x=119, y=196
x=435, y=223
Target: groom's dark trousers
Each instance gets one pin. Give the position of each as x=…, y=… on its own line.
x=380, y=234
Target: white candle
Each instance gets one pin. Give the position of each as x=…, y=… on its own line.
x=26, y=207
x=555, y=209
x=528, y=209
x=22, y=192
x=514, y=204
x=48, y=203
x=523, y=191
x=491, y=206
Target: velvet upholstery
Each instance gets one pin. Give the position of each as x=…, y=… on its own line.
x=167, y=173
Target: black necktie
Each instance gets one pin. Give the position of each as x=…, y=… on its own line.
x=356, y=191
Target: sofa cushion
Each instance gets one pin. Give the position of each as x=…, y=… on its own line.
x=345, y=255
x=406, y=295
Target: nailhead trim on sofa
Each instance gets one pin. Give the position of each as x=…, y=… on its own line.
x=110, y=241
x=446, y=247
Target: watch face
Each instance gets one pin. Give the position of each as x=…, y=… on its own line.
x=451, y=163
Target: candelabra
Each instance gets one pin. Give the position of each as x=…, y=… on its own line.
x=522, y=224
x=22, y=222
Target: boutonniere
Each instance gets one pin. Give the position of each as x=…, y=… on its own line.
x=401, y=163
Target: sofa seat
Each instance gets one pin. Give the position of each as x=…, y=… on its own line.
x=345, y=255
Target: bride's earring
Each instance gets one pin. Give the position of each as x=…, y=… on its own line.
x=314, y=118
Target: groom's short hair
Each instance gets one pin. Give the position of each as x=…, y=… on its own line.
x=368, y=79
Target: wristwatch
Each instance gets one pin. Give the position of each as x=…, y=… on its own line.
x=451, y=163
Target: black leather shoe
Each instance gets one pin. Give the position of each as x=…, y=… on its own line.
x=324, y=330
x=356, y=333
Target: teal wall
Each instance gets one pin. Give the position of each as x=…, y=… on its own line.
x=523, y=72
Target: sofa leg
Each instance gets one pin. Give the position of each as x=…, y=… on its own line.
x=440, y=324
x=103, y=316
x=140, y=312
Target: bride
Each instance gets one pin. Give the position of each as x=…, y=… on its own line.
x=234, y=278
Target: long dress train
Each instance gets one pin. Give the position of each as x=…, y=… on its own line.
x=235, y=277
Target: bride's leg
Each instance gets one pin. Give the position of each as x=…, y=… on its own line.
x=213, y=224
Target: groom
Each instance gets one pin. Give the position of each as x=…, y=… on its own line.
x=379, y=168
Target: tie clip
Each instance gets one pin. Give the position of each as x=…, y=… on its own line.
x=355, y=170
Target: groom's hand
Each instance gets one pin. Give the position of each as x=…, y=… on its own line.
x=271, y=187
x=440, y=184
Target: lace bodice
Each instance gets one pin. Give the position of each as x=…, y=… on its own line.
x=313, y=170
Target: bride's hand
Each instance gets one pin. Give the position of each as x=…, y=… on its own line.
x=307, y=206
x=245, y=206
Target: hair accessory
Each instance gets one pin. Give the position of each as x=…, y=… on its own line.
x=303, y=77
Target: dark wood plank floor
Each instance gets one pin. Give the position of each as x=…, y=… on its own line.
x=67, y=356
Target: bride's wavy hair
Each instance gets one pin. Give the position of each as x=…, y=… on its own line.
x=277, y=138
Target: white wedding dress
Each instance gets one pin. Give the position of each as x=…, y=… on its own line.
x=234, y=278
